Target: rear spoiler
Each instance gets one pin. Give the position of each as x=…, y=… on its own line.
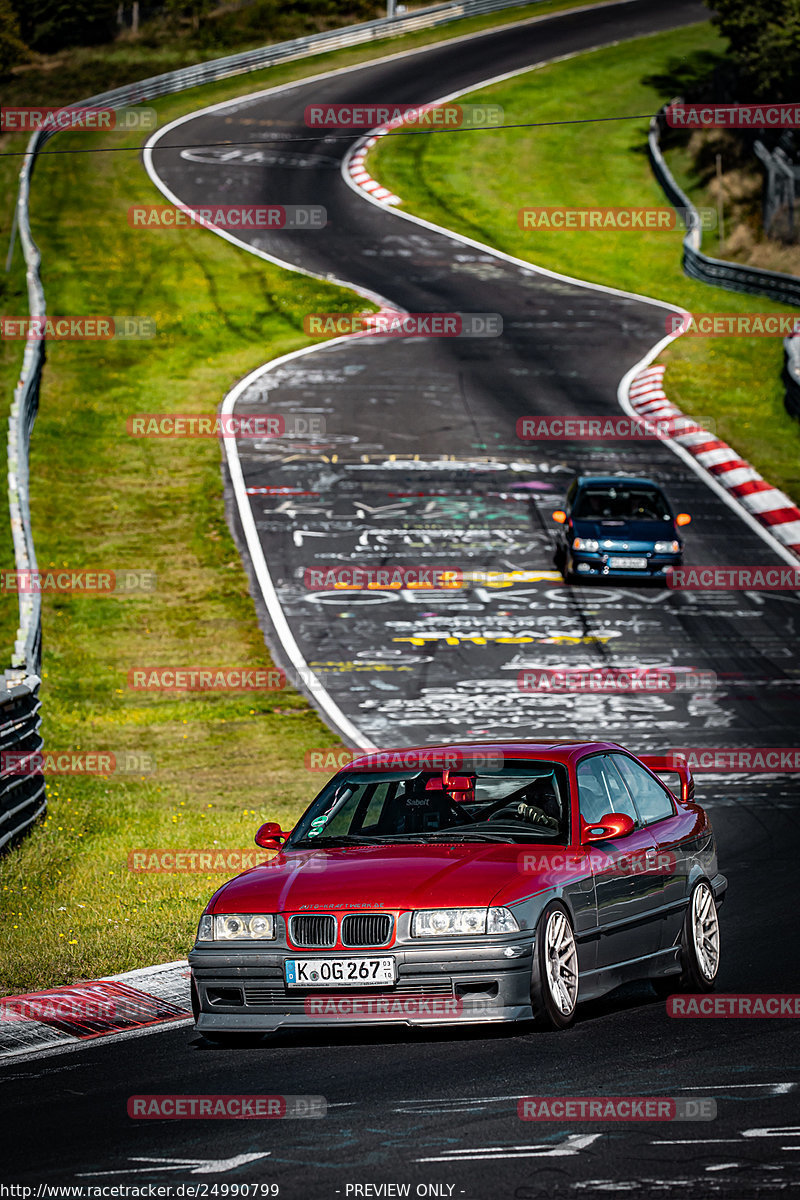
x=669, y=764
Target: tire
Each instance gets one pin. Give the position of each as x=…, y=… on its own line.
x=554, y=985
x=560, y=560
x=700, y=946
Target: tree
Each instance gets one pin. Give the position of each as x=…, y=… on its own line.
x=764, y=38
x=12, y=48
x=189, y=8
x=53, y=24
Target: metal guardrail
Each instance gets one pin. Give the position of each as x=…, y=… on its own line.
x=22, y=797
x=777, y=286
x=26, y=658
x=736, y=278
x=302, y=47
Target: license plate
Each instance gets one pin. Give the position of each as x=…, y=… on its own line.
x=627, y=564
x=339, y=972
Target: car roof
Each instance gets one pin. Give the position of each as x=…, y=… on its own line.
x=616, y=481
x=555, y=751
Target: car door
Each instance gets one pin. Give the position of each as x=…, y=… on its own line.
x=629, y=901
x=659, y=814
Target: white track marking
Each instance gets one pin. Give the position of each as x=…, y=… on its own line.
x=571, y=1145
x=256, y=550
x=192, y=1166
x=779, y=1089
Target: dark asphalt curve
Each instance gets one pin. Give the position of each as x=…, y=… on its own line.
x=420, y=463
x=435, y=1111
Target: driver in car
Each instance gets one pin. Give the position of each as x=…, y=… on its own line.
x=537, y=804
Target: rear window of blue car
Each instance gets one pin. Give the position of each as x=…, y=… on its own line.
x=621, y=504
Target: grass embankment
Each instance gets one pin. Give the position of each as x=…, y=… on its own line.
x=476, y=184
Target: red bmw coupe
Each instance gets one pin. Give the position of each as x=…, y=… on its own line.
x=463, y=883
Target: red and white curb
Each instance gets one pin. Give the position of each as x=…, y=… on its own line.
x=767, y=504
x=94, y=1008
x=362, y=178
x=356, y=167
x=385, y=318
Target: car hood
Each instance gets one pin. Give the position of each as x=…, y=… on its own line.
x=394, y=877
x=635, y=533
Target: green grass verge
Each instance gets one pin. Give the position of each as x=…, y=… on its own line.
x=476, y=184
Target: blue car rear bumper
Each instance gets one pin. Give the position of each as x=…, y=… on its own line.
x=595, y=566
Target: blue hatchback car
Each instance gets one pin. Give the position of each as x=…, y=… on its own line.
x=614, y=527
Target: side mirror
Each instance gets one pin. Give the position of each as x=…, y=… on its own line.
x=560, y=516
x=268, y=836
x=683, y=519
x=612, y=825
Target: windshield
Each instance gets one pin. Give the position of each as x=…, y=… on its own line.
x=523, y=801
x=621, y=504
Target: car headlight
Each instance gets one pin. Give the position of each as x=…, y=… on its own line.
x=236, y=927
x=501, y=920
x=667, y=547
x=590, y=544
x=450, y=922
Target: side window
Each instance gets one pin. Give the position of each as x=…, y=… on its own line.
x=652, y=799
x=592, y=793
x=601, y=791
x=571, y=494
x=618, y=794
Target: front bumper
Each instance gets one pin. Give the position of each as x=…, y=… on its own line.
x=441, y=985
x=595, y=566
